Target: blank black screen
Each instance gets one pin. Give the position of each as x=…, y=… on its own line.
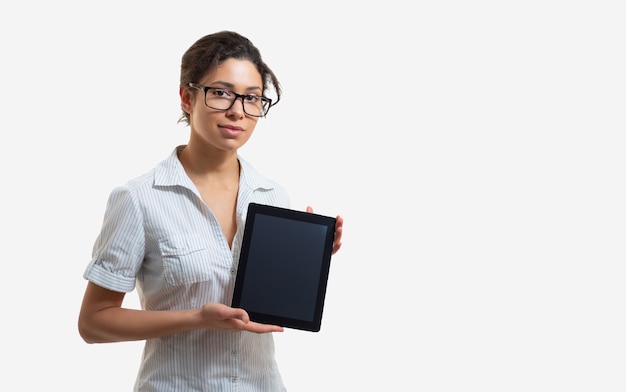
x=283, y=267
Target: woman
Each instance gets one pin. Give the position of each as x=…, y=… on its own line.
x=175, y=234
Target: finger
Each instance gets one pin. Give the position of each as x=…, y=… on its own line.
x=262, y=328
x=309, y=209
x=339, y=228
x=238, y=314
x=338, y=234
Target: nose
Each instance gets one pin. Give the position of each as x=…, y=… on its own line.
x=235, y=109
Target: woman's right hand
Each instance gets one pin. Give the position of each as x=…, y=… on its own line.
x=220, y=316
x=102, y=319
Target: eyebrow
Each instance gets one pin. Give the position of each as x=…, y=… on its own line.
x=231, y=86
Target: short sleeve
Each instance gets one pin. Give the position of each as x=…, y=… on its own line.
x=119, y=249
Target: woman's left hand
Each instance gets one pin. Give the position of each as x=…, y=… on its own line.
x=338, y=231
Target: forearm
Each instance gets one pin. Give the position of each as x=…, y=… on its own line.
x=117, y=324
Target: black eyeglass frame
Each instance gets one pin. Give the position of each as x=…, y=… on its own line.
x=237, y=96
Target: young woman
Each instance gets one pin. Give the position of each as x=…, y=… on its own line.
x=175, y=234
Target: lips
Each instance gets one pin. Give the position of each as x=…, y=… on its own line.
x=231, y=130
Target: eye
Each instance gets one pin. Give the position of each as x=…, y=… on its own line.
x=251, y=98
x=221, y=93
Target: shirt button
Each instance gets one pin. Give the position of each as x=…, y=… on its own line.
x=234, y=379
x=233, y=353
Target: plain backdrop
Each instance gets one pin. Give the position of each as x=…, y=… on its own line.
x=475, y=149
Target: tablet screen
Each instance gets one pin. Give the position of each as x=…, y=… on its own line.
x=283, y=266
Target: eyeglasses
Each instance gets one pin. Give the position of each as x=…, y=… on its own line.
x=222, y=99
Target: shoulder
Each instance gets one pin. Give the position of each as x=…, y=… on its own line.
x=142, y=185
x=260, y=187
x=169, y=171
x=256, y=179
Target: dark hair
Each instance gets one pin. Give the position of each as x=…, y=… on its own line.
x=210, y=51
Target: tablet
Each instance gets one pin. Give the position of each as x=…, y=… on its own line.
x=283, y=266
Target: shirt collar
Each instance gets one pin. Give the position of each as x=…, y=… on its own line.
x=170, y=172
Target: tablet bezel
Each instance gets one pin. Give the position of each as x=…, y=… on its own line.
x=256, y=209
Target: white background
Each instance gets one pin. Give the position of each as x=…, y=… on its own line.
x=475, y=149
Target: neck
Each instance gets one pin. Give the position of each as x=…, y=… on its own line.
x=214, y=165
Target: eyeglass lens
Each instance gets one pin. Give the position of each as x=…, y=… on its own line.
x=223, y=100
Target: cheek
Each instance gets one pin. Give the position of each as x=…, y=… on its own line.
x=193, y=104
x=198, y=111
x=253, y=124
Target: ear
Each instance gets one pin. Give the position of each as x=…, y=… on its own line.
x=186, y=99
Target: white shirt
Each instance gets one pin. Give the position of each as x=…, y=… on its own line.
x=159, y=234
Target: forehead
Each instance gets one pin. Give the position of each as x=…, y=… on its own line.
x=236, y=72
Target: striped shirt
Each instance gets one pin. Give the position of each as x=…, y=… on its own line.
x=160, y=237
